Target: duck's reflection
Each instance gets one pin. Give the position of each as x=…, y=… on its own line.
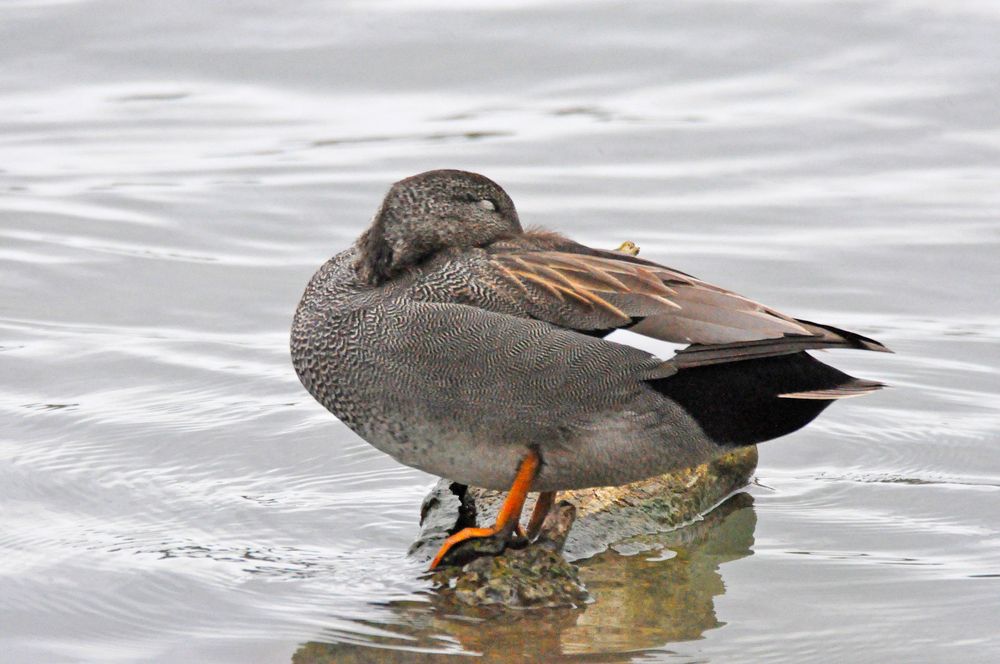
x=640, y=601
x=643, y=602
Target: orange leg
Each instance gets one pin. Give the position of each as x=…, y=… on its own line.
x=510, y=511
x=542, y=507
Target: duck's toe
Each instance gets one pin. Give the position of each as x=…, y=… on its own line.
x=471, y=543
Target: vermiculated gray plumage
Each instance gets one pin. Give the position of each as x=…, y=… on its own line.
x=455, y=342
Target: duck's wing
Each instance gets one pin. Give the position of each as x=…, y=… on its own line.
x=594, y=292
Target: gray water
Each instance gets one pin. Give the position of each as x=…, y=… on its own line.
x=172, y=173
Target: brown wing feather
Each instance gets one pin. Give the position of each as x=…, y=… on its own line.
x=585, y=289
x=673, y=306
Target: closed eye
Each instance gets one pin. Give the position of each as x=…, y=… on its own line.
x=486, y=204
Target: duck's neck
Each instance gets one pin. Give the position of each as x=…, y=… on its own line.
x=375, y=264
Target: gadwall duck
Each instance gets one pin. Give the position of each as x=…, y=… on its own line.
x=460, y=344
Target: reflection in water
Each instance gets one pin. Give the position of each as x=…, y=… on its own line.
x=640, y=602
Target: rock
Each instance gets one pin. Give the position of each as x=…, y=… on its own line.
x=522, y=577
x=536, y=575
x=639, y=602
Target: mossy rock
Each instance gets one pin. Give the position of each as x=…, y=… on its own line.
x=491, y=573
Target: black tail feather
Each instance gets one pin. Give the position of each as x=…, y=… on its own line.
x=753, y=400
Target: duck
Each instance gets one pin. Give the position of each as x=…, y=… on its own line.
x=459, y=343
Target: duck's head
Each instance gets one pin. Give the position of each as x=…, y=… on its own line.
x=429, y=212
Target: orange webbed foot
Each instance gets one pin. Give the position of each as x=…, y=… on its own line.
x=510, y=511
x=459, y=537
